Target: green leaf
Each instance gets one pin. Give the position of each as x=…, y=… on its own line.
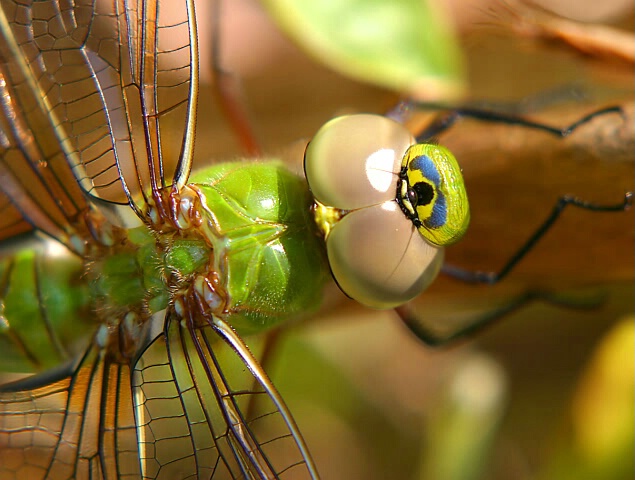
x=404, y=45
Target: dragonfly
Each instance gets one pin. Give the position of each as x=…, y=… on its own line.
x=128, y=284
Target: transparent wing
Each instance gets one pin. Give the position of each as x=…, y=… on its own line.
x=198, y=405
x=98, y=86
x=37, y=188
x=62, y=426
x=206, y=409
x=11, y=221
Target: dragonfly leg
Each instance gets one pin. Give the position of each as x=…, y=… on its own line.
x=475, y=325
x=446, y=120
x=533, y=102
x=582, y=300
x=228, y=91
x=470, y=276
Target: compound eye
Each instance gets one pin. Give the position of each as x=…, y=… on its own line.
x=434, y=194
x=354, y=161
x=379, y=259
x=385, y=206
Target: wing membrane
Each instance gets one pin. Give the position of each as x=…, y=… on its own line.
x=77, y=426
x=37, y=188
x=107, y=88
x=198, y=405
x=11, y=221
x=206, y=409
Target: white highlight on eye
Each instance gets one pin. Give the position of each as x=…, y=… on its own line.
x=379, y=167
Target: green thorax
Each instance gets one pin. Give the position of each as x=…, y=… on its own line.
x=262, y=244
x=267, y=250
x=136, y=274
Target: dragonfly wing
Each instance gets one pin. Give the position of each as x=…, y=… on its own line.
x=206, y=409
x=37, y=188
x=102, y=88
x=63, y=426
x=12, y=222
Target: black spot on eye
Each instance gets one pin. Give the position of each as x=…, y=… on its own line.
x=423, y=192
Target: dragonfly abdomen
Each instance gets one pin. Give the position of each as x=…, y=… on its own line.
x=45, y=316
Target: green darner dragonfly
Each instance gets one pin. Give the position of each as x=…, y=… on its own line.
x=87, y=96
x=133, y=306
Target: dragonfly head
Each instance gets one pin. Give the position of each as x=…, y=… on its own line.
x=386, y=206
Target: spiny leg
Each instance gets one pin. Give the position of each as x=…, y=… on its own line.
x=427, y=335
x=584, y=300
x=442, y=123
x=535, y=102
x=447, y=120
x=480, y=322
x=491, y=278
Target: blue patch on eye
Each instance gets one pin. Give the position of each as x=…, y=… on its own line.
x=440, y=210
x=439, y=213
x=427, y=166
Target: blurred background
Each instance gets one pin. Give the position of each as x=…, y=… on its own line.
x=547, y=392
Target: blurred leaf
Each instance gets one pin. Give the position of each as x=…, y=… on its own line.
x=603, y=409
x=404, y=45
x=464, y=426
x=603, y=413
